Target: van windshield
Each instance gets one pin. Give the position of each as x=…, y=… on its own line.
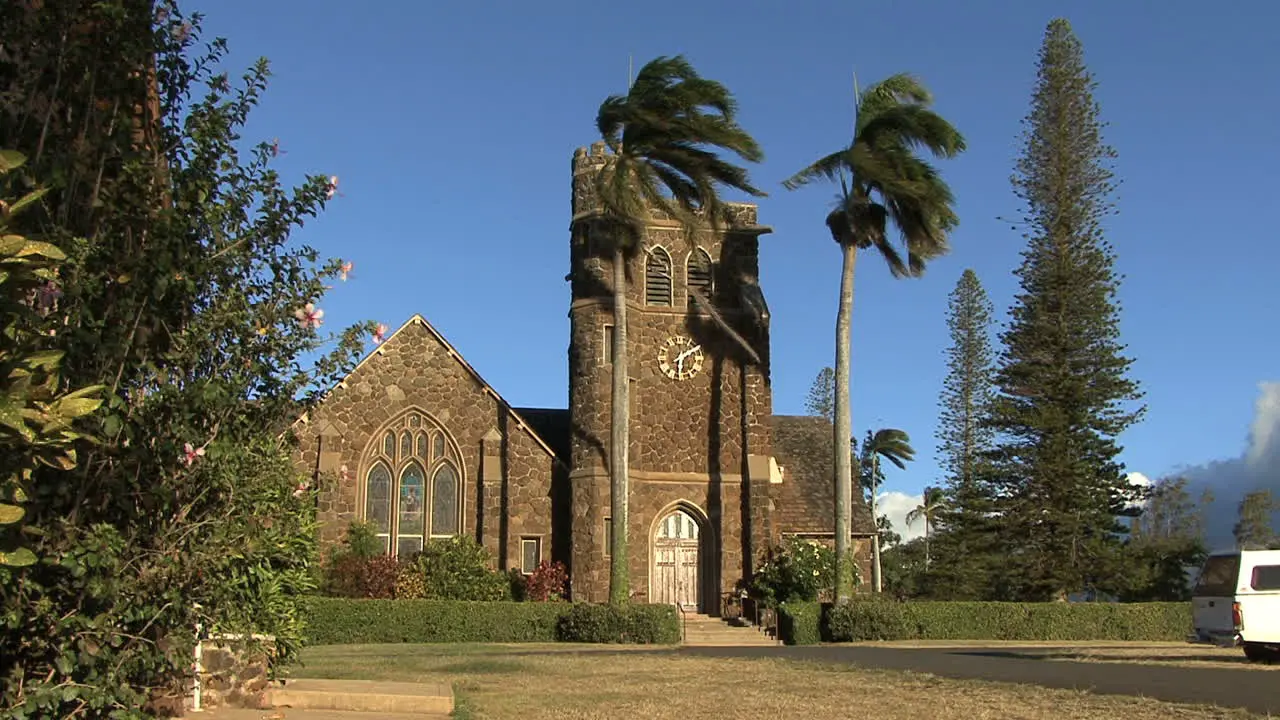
x=1218, y=578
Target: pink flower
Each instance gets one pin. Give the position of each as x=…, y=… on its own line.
x=300, y=489
x=333, y=187
x=379, y=334
x=275, y=148
x=344, y=473
x=347, y=267
x=309, y=316
x=189, y=454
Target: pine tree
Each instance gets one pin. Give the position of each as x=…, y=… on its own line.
x=1063, y=392
x=965, y=546
x=821, y=400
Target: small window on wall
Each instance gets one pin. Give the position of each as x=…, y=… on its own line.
x=606, y=354
x=530, y=554
x=1266, y=577
x=608, y=536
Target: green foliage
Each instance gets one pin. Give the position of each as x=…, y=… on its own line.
x=341, y=621
x=638, y=624
x=966, y=546
x=821, y=400
x=1064, y=396
x=459, y=568
x=800, y=623
x=878, y=619
x=1166, y=539
x=796, y=570
x=184, y=296
x=1253, y=529
x=37, y=417
x=362, y=540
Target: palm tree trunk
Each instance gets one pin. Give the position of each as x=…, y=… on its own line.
x=926, y=541
x=844, y=430
x=619, y=438
x=877, y=575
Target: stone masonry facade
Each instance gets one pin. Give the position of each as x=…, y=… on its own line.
x=705, y=444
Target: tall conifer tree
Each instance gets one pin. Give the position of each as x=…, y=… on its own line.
x=1063, y=392
x=964, y=544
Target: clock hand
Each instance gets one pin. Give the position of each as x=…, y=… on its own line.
x=687, y=353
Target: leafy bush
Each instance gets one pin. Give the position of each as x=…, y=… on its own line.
x=796, y=571
x=876, y=619
x=641, y=624
x=459, y=568
x=379, y=576
x=341, y=621
x=547, y=583
x=186, y=295
x=800, y=623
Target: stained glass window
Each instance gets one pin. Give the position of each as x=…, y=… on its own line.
x=406, y=445
x=437, y=451
x=444, y=502
x=377, y=504
x=414, y=421
x=389, y=445
x=411, y=506
x=422, y=446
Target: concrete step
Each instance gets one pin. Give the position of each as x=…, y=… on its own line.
x=365, y=696
x=707, y=631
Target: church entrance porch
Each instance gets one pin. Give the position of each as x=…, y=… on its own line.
x=677, y=575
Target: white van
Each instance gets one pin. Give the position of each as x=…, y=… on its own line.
x=1236, y=602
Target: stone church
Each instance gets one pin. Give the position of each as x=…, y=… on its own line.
x=416, y=442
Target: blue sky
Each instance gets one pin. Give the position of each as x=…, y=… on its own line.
x=451, y=126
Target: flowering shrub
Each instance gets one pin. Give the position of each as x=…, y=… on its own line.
x=459, y=568
x=796, y=570
x=547, y=582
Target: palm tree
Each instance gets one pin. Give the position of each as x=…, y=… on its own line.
x=663, y=135
x=882, y=180
x=895, y=446
x=931, y=503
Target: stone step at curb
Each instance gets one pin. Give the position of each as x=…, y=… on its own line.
x=365, y=696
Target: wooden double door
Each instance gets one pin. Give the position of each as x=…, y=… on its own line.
x=677, y=577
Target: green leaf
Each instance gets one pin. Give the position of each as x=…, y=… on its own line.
x=10, y=514
x=22, y=203
x=47, y=359
x=11, y=160
x=22, y=557
x=69, y=407
x=11, y=417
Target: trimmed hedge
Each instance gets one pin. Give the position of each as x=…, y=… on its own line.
x=348, y=621
x=800, y=623
x=875, y=619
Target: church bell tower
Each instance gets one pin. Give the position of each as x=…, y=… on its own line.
x=700, y=402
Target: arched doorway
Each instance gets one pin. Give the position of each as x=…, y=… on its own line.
x=677, y=561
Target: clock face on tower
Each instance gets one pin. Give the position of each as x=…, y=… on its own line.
x=680, y=358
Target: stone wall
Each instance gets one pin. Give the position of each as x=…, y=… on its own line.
x=506, y=470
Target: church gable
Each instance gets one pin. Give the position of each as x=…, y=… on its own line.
x=416, y=442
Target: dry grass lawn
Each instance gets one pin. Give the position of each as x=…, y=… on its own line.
x=532, y=682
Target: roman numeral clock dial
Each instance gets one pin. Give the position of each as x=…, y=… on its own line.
x=680, y=358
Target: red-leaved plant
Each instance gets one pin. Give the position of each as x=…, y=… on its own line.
x=547, y=583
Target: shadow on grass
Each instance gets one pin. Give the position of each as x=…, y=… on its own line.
x=1086, y=657
x=485, y=667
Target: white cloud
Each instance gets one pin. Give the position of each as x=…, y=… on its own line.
x=896, y=505
x=1257, y=468
x=1140, y=480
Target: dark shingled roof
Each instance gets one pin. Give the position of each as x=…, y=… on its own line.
x=802, y=446
x=551, y=425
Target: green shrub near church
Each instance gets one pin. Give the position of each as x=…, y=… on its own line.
x=876, y=619
x=348, y=621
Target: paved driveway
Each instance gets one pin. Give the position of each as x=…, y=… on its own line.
x=1254, y=690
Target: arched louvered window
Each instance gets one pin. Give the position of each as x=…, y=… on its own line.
x=698, y=275
x=657, y=278
x=413, y=485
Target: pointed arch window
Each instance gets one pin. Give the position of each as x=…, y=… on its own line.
x=698, y=274
x=657, y=278
x=413, y=486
